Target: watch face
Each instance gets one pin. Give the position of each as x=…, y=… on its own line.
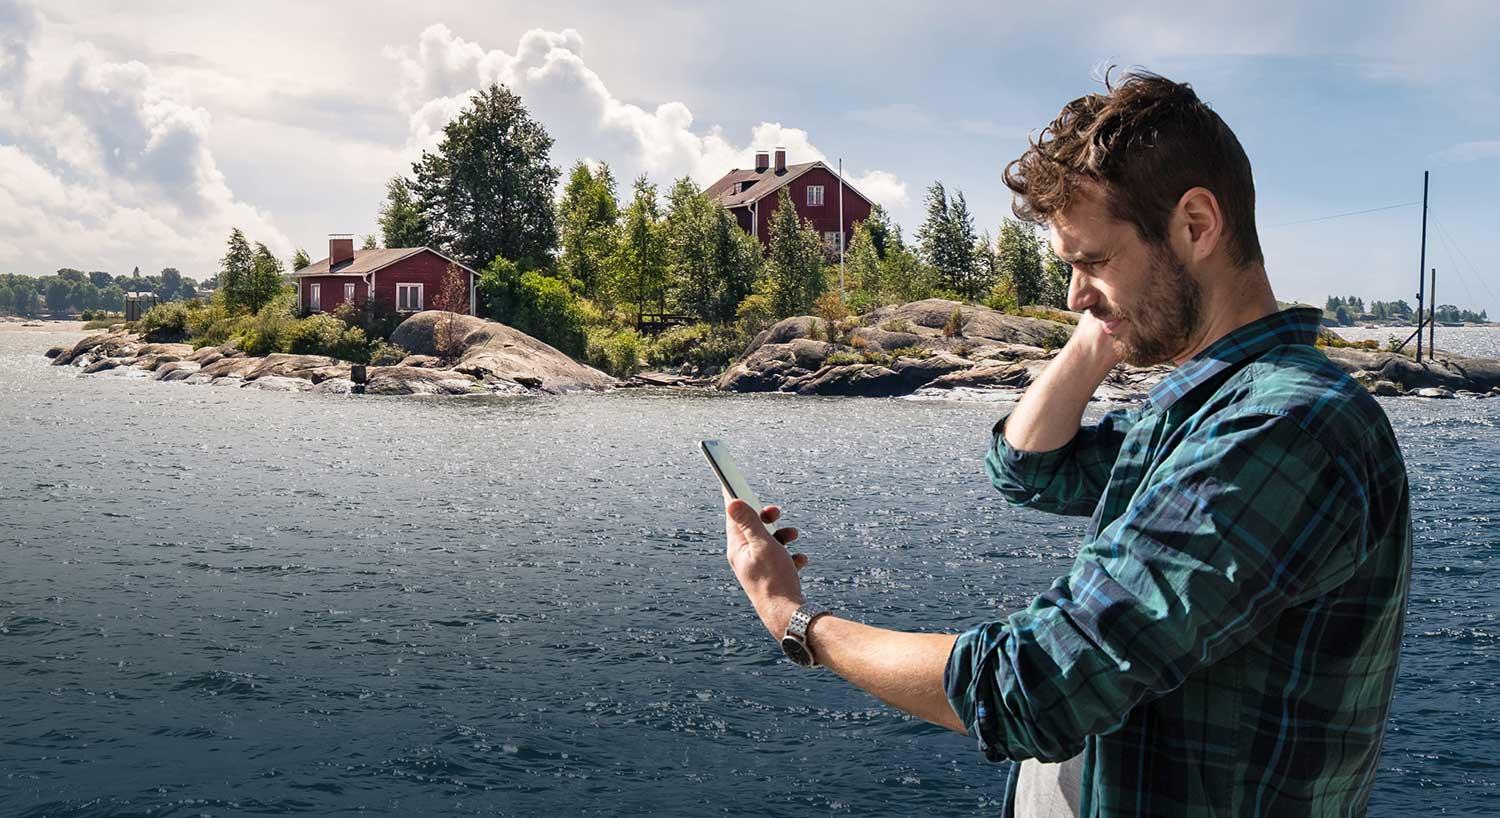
x=796, y=651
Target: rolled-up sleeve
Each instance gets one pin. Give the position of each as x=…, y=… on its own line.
x=1066, y=480
x=1245, y=518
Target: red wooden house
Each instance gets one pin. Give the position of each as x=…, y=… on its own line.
x=398, y=279
x=752, y=196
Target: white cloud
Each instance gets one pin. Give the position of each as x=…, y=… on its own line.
x=1470, y=151
x=559, y=88
x=104, y=164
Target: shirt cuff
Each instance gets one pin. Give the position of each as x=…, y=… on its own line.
x=1028, y=470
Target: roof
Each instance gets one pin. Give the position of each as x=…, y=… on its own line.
x=727, y=191
x=368, y=261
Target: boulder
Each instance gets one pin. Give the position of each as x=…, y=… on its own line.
x=773, y=366
x=56, y=351
x=333, y=386
x=988, y=375
x=425, y=361
x=879, y=340
x=324, y=373
x=176, y=370
x=1432, y=392
x=197, y=378
x=1384, y=389
x=151, y=362
x=978, y=322
x=491, y=349
x=1452, y=372
x=225, y=367
x=284, y=364
x=785, y=331
x=278, y=383
x=411, y=380
x=102, y=364
x=177, y=351
x=100, y=343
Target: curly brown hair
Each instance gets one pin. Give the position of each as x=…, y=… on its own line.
x=1146, y=141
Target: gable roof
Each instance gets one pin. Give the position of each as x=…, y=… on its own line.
x=368, y=261
x=727, y=191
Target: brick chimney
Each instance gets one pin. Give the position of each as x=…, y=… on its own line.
x=340, y=249
x=762, y=161
x=781, y=160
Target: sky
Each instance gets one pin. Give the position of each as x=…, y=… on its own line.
x=137, y=134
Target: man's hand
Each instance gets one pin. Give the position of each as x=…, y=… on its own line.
x=1049, y=412
x=1094, y=343
x=762, y=563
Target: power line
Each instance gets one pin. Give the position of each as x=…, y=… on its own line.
x=1342, y=215
x=1472, y=268
x=1452, y=253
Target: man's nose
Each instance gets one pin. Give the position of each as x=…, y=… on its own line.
x=1081, y=296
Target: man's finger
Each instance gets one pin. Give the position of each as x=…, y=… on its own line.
x=770, y=514
x=785, y=535
x=800, y=560
x=743, y=515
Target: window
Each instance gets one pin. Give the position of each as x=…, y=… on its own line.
x=831, y=240
x=746, y=185
x=814, y=195
x=348, y=292
x=408, y=297
x=315, y=297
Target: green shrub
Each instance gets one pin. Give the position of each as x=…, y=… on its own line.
x=1002, y=297
x=913, y=351
x=270, y=329
x=385, y=353
x=702, y=346
x=1047, y=313
x=617, y=352
x=166, y=323
x=323, y=334
x=844, y=358
x=753, y=315
x=954, y=327
x=896, y=325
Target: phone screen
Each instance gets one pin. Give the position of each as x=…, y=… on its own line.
x=728, y=472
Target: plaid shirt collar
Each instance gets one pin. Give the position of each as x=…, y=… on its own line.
x=1294, y=325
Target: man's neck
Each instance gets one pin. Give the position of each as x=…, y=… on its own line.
x=1229, y=307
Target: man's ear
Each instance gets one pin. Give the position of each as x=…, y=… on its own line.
x=1197, y=224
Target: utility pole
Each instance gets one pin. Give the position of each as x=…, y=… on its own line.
x=1432, y=316
x=1421, y=266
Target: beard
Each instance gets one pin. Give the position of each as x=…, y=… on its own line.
x=1165, y=316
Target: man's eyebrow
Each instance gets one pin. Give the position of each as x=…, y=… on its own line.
x=1083, y=257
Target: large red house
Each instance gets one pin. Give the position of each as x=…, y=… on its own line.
x=752, y=196
x=399, y=279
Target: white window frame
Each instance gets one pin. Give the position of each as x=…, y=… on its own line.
x=348, y=292
x=408, y=287
x=811, y=189
x=314, y=296
x=833, y=240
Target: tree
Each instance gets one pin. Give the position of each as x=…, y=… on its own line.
x=1057, y=276
x=101, y=279
x=986, y=266
x=735, y=268
x=863, y=268
x=946, y=239
x=688, y=230
x=300, y=259
x=401, y=221
x=905, y=276
x=487, y=190
x=265, y=278
x=882, y=230
x=370, y=242
x=640, y=260
x=452, y=299
x=1020, y=261
x=588, y=225
x=1342, y=314
x=236, y=269
x=794, y=261
x=171, y=282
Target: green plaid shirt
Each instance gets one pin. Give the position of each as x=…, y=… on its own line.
x=1225, y=642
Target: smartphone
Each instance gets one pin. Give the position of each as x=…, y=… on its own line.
x=729, y=474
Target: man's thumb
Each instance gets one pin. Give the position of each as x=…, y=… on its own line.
x=743, y=515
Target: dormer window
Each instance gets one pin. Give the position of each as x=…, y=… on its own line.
x=746, y=185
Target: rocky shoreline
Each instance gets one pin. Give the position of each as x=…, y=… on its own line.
x=487, y=358
x=920, y=349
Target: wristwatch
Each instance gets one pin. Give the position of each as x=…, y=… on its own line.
x=795, y=640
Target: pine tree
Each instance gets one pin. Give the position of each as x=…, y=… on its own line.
x=1057, y=276
x=300, y=259
x=1020, y=261
x=236, y=269
x=588, y=225
x=487, y=189
x=794, y=261
x=689, y=231
x=986, y=267
x=264, y=280
x=864, y=269
x=401, y=222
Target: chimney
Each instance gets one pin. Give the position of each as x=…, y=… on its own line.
x=781, y=160
x=340, y=249
x=762, y=161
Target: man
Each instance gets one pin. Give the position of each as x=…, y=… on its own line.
x=1225, y=642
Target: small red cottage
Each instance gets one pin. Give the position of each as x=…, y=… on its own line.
x=751, y=195
x=402, y=279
